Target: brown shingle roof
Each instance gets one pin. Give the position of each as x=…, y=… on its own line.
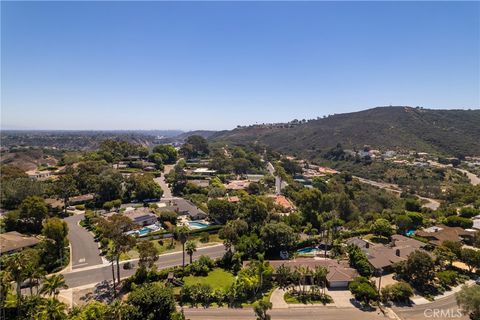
x=337, y=270
x=12, y=241
x=438, y=234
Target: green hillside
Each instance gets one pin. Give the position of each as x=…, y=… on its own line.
x=448, y=132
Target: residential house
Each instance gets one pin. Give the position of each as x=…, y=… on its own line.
x=141, y=216
x=13, y=241
x=437, y=234
x=381, y=257
x=237, y=185
x=339, y=276
x=182, y=207
x=39, y=175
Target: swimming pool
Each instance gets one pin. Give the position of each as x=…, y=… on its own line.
x=308, y=250
x=197, y=224
x=410, y=233
x=143, y=231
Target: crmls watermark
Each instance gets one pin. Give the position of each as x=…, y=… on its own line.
x=442, y=313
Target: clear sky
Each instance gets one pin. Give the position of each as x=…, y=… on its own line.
x=214, y=65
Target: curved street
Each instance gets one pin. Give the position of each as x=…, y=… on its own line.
x=84, y=249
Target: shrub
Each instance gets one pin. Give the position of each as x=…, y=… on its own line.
x=363, y=290
x=447, y=278
x=80, y=207
x=204, y=237
x=399, y=292
x=198, y=293
x=456, y=221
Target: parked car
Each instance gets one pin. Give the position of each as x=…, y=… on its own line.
x=127, y=265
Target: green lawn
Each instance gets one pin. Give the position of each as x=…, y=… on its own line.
x=217, y=279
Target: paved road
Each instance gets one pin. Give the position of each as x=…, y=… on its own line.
x=308, y=313
x=85, y=251
x=86, y=276
x=167, y=193
x=441, y=309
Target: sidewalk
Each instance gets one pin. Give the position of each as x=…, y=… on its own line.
x=417, y=300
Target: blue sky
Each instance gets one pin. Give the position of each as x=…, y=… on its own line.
x=214, y=65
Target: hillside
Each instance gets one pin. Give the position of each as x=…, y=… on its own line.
x=448, y=132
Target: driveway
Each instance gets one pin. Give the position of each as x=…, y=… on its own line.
x=341, y=298
x=85, y=252
x=167, y=193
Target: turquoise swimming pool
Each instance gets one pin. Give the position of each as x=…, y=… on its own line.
x=410, y=233
x=143, y=231
x=308, y=250
x=197, y=224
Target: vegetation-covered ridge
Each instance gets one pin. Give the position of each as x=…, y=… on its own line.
x=448, y=132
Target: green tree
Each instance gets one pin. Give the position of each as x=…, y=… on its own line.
x=261, y=307
x=51, y=285
x=399, y=292
x=142, y=186
x=152, y=301
x=471, y=258
x=114, y=229
x=65, y=187
x=32, y=211
x=221, y=210
x=363, y=290
x=148, y=254
x=51, y=309
x=168, y=153
x=278, y=236
x=109, y=185
x=419, y=268
x=468, y=298
x=190, y=248
x=56, y=230
x=382, y=227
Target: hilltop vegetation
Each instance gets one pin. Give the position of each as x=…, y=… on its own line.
x=447, y=132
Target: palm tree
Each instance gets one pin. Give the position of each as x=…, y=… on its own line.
x=190, y=248
x=320, y=277
x=52, y=309
x=15, y=265
x=117, y=310
x=182, y=235
x=111, y=257
x=52, y=285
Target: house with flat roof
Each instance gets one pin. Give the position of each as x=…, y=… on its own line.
x=436, y=235
x=237, y=184
x=182, y=207
x=13, y=241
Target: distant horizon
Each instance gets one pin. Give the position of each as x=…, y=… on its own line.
x=216, y=130
x=216, y=65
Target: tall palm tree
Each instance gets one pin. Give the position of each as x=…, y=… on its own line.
x=190, y=248
x=52, y=309
x=182, y=236
x=320, y=277
x=51, y=286
x=111, y=257
x=15, y=265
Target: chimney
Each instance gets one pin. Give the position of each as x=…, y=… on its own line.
x=397, y=252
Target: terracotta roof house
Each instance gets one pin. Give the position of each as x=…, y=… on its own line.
x=13, y=241
x=284, y=203
x=200, y=183
x=381, y=256
x=437, y=234
x=81, y=198
x=340, y=274
x=182, y=207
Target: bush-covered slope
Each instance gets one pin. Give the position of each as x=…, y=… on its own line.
x=450, y=132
